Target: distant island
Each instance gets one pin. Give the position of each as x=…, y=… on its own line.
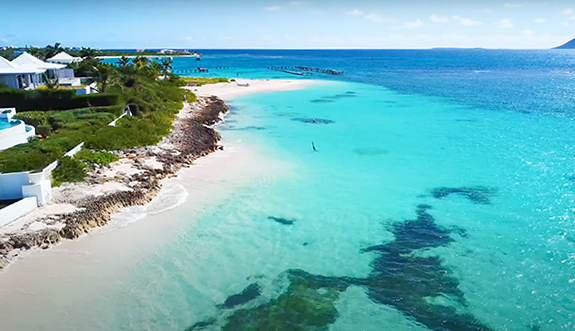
x=568, y=45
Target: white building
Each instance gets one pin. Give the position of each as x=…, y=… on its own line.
x=28, y=72
x=64, y=58
x=21, y=78
x=52, y=70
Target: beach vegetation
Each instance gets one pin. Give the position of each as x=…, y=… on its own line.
x=199, y=81
x=64, y=120
x=70, y=169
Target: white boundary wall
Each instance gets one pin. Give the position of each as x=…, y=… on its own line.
x=17, y=209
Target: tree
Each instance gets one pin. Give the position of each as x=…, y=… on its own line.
x=140, y=62
x=51, y=82
x=166, y=66
x=88, y=53
x=37, y=52
x=124, y=61
x=102, y=74
x=51, y=51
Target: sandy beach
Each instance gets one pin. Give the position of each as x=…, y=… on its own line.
x=43, y=227
x=228, y=91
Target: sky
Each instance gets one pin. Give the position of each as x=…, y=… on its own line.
x=279, y=24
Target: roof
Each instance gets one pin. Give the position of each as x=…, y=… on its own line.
x=27, y=60
x=8, y=68
x=63, y=56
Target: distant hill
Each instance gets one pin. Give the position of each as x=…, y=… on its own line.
x=567, y=45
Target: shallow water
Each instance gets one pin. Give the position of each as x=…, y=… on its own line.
x=414, y=210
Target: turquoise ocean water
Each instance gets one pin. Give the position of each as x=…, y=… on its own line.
x=441, y=196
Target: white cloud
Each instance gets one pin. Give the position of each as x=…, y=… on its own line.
x=528, y=32
x=505, y=23
x=411, y=25
x=438, y=19
x=512, y=5
x=466, y=21
x=355, y=12
x=377, y=19
x=572, y=17
x=539, y=20
x=296, y=3
x=273, y=8
x=567, y=12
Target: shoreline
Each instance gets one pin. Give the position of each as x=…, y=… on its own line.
x=134, y=180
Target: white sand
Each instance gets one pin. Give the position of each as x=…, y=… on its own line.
x=228, y=91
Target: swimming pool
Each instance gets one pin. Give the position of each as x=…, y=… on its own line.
x=5, y=125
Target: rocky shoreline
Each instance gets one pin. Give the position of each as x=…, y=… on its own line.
x=137, y=183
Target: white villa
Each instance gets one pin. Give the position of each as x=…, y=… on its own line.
x=27, y=72
x=64, y=58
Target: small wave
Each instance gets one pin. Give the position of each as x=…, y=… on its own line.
x=170, y=197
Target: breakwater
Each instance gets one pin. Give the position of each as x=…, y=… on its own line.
x=306, y=70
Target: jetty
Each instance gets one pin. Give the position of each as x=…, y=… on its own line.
x=300, y=70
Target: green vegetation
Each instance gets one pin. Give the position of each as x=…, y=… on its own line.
x=65, y=120
x=69, y=170
x=199, y=81
x=54, y=99
x=100, y=158
x=300, y=308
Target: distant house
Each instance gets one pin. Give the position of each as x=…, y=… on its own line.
x=28, y=72
x=27, y=78
x=63, y=58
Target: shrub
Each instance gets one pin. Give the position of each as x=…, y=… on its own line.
x=69, y=170
x=44, y=130
x=99, y=158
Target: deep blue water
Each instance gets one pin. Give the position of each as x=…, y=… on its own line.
x=521, y=80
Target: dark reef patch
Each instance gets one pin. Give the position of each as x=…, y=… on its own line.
x=477, y=195
x=398, y=278
x=300, y=308
x=333, y=98
x=248, y=294
x=202, y=325
x=313, y=120
x=281, y=220
x=245, y=128
x=321, y=101
x=370, y=151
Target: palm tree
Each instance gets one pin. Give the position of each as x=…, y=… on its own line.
x=51, y=51
x=156, y=68
x=37, y=52
x=88, y=53
x=124, y=61
x=141, y=62
x=166, y=66
x=102, y=73
x=52, y=82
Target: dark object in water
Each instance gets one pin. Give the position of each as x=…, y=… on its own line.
x=202, y=324
x=370, y=151
x=248, y=294
x=477, y=195
x=313, y=146
x=280, y=220
x=313, y=120
x=321, y=101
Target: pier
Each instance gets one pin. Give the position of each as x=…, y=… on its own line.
x=299, y=70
